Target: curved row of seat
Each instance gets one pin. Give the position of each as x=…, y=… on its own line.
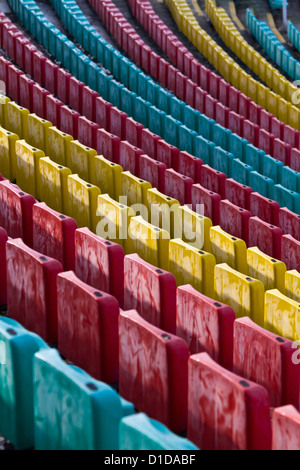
x=294, y=35
x=191, y=140
x=273, y=47
x=34, y=172
x=143, y=346
x=235, y=41
x=268, y=137
x=267, y=99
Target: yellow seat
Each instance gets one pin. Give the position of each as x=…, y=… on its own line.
x=8, y=159
x=266, y=269
x=292, y=285
x=82, y=200
x=163, y=210
x=38, y=131
x=53, y=184
x=17, y=119
x=192, y=266
x=114, y=219
x=228, y=249
x=282, y=315
x=149, y=242
x=27, y=168
x=80, y=158
x=106, y=175
x=58, y=146
x=243, y=293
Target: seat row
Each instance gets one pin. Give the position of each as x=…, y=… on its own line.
x=208, y=80
x=147, y=355
x=188, y=263
x=157, y=352
x=294, y=35
x=273, y=47
x=196, y=98
x=52, y=109
x=157, y=120
x=267, y=73
x=27, y=418
x=263, y=96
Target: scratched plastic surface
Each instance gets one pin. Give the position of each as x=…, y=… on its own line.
x=74, y=398
x=286, y=428
x=138, y=432
x=153, y=370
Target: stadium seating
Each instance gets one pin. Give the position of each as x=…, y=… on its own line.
x=152, y=238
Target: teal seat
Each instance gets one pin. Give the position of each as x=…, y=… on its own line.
x=73, y=411
x=138, y=432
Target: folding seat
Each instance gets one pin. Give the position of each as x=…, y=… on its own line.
x=63, y=86
x=290, y=252
x=53, y=235
x=285, y=428
x=3, y=283
x=266, y=359
x=149, y=143
x=237, y=193
x=27, y=168
x=271, y=272
x=52, y=106
x=138, y=432
x=69, y=121
x=31, y=289
x=265, y=236
x=152, y=171
x=118, y=122
x=162, y=211
x=16, y=119
x=135, y=190
x=37, y=131
x=282, y=315
x=134, y=132
x=81, y=202
x=235, y=220
x=101, y=408
x=96, y=345
x=87, y=132
x=228, y=249
x=149, y=242
x=207, y=201
x=16, y=211
x=8, y=157
x=108, y=145
x=292, y=285
x=151, y=292
x=192, y=266
x=26, y=91
x=213, y=422
x=167, y=154
x=205, y=325
x=52, y=182
x=58, y=146
x=243, y=293
x=178, y=186
x=213, y=180
x=264, y=208
x=289, y=222
x=130, y=157
x=51, y=76
x=18, y=347
x=190, y=166
x=147, y=355
x=80, y=159
x=75, y=94
x=106, y=175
